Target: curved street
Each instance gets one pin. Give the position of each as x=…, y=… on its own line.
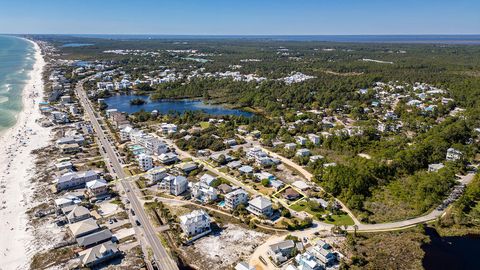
x=362, y=227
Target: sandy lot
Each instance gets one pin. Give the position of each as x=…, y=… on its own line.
x=220, y=251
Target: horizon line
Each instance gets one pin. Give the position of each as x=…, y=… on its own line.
x=260, y=35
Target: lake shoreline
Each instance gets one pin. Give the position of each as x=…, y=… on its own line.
x=121, y=102
x=450, y=252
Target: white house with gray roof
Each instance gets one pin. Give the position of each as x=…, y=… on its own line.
x=281, y=251
x=97, y=187
x=260, y=206
x=78, y=213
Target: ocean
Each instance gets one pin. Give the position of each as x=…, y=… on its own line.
x=17, y=57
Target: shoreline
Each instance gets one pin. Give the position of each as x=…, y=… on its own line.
x=18, y=167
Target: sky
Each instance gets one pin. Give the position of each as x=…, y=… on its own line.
x=240, y=17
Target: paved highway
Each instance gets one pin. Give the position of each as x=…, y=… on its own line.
x=161, y=256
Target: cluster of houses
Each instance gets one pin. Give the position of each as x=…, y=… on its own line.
x=147, y=147
x=261, y=158
x=77, y=190
x=96, y=244
x=118, y=80
x=318, y=256
x=386, y=97
x=296, y=77
x=60, y=107
x=205, y=190
x=234, y=75
x=452, y=156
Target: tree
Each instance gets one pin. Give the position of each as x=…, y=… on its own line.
x=222, y=159
x=265, y=182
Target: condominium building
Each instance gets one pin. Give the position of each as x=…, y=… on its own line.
x=194, y=223
x=145, y=162
x=235, y=198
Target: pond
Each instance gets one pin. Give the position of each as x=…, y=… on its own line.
x=454, y=252
x=122, y=104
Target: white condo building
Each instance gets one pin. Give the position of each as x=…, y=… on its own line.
x=194, y=223
x=235, y=198
x=175, y=185
x=145, y=162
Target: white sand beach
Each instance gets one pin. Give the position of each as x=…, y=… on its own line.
x=16, y=170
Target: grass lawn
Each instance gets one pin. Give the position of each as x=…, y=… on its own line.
x=303, y=206
x=204, y=125
x=342, y=219
x=300, y=206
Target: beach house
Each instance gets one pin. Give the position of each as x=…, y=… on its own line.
x=99, y=254
x=167, y=128
x=203, y=192
x=453, y=154
x=435, y=167
x=290, y=146
x=78, y=213
x=260, y=206
x=281, y=251
x=195, y=223
x=145, y=162
x=75, y=179
x=301, y=140
x=315, y=139
x=235, y=198
x=168, y=158
x=244, y=266
x=207, y=179
x=174, y=185
x=304, y=152
x=97, y=187
x=95, y=238
x=156, y=174
x=84, y=227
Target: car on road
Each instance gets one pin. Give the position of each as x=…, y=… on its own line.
x=137, y=222
x=133, y=212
